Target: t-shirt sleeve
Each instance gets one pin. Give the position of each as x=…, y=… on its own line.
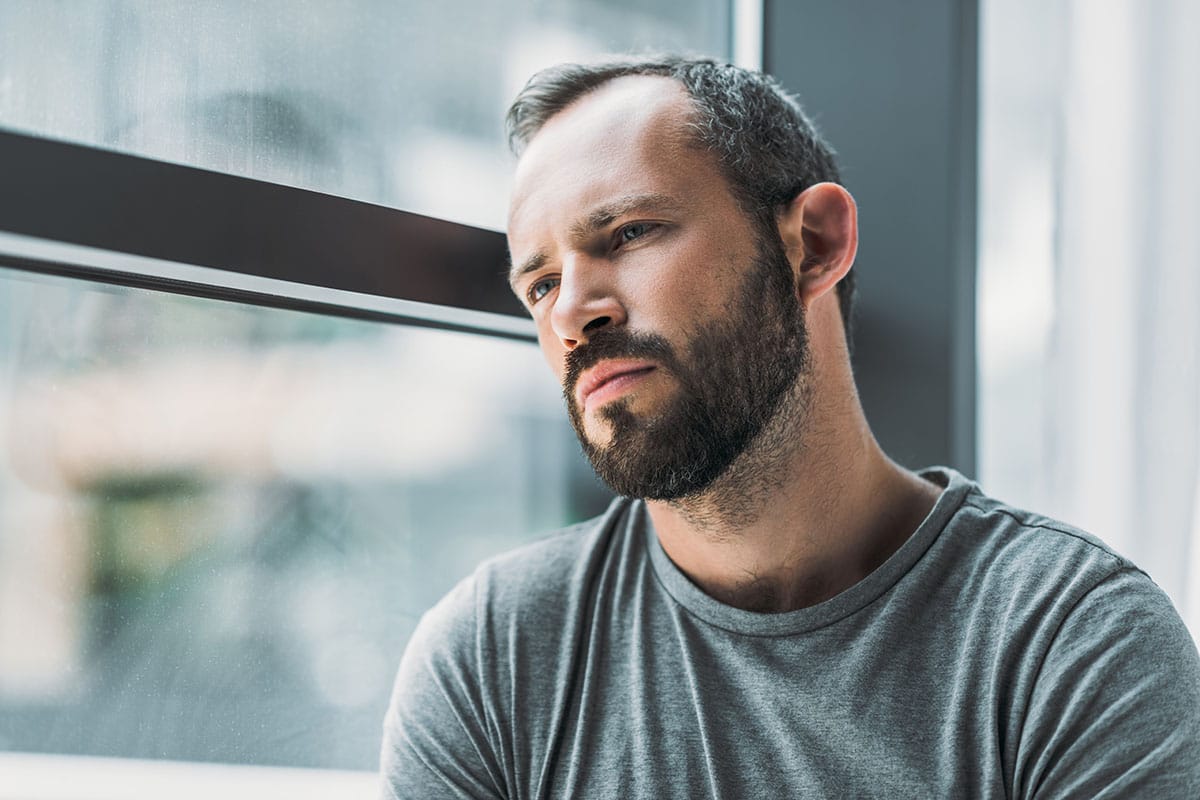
x=1115, y=710
x=435, y=741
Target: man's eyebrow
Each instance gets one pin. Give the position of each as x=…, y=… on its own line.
x=598, y=219
x=531, y=264
x=602, y=216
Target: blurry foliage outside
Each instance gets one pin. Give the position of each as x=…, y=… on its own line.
x=219, y=523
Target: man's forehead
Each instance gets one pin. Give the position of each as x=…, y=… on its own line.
x=632, y=97
x=603, y=128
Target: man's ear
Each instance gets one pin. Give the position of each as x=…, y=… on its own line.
x=820, y=233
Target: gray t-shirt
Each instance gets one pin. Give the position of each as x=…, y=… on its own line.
x=995, y=654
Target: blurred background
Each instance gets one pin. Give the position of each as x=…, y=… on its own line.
x=220, y=520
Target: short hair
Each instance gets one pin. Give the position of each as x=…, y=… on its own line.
x=766, y=147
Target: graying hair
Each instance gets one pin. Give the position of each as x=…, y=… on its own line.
x=766, y=147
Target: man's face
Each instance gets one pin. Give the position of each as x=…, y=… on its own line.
x=673, y=326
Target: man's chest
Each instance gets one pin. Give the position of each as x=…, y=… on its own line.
x=667, y=709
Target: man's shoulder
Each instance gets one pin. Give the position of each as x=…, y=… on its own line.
x=1018, y=545
x=496, y=648
x=1044, y=584
x=1014, y=574
x=553, y=566
x=538, y=580
x=1034, y=529
x=1097, y=664
x=508, y=623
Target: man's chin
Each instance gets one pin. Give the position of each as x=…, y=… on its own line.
x=599, y=437
x=600, y=424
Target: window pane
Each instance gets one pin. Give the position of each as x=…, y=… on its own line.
x=219, y=523
x=398, y=103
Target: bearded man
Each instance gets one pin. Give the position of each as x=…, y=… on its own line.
x=773, y=608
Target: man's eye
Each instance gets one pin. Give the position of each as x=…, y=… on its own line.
x=540, y=288
x=633, y=230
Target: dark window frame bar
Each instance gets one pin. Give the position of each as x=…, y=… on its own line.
x=191, y=231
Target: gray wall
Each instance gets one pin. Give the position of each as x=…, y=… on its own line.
x=892, y=86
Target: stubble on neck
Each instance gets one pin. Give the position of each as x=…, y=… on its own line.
x=738, y=497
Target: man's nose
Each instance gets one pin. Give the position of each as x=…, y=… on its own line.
x=587, y=302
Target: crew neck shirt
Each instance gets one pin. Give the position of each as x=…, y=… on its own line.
x=995, y=654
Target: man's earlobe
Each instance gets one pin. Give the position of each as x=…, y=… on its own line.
x=820, y=233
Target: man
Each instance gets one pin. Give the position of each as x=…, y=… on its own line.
x=782, y=611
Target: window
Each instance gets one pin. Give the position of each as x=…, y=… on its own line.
x=251, y=432
x=221, y=521
x=1088, y=287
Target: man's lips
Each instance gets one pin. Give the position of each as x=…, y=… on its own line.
x=609, y=376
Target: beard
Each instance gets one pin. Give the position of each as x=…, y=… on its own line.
x=732, y=381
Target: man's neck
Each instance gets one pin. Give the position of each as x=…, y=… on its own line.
x=791, y=526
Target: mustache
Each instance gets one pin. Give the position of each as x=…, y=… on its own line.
x=615, y=343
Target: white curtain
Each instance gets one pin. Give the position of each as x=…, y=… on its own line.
x=1089, y=284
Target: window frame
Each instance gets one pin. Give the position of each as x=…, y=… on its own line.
x=191, y=231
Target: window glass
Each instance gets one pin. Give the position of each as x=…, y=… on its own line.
x=219, y=523
x=398, y=103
